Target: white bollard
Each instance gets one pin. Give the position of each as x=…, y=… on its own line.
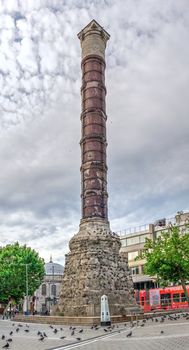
x=105, y=314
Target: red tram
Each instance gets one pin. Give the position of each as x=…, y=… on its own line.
x=168, y=298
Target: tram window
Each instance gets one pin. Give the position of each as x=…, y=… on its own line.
x=147, y=296
x=183, y=298
x=176, y=298
x=166, y=299
x=142, y=300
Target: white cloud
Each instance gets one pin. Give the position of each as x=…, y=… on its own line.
x=147, y=105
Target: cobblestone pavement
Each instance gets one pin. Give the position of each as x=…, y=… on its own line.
x=154, y=335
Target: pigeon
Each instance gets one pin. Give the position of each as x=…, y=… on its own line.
x=41, y=338
x=3, y=337
x=26, y=330
x=51, y=326
x=61, y=329
x=72, y=333
x=162, y=332
x=39, y=333
x=11, y=333
x=81, y=331
x=129, y=334
x=62, y=337
x=105, y=330
x=6, y=346
x=9, y=340
x=172, y=318
x=44, y=334
x=78, y=339
x=55, y=330
x=17, y=330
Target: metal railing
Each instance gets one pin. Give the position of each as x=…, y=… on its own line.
x=145, y=227
x=135, y=229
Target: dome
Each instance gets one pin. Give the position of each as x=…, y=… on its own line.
x=52, y=268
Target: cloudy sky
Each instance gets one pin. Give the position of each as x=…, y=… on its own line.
x=147, y=79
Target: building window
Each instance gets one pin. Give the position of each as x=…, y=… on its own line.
x=123, y=242
x=44, y=289
x=158, y=234
x=143, y=238
x=133, y=240
x=142, y=269
x=132, y=255
x=53, y=289
x=134, y=270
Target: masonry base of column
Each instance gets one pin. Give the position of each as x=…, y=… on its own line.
x=95, y=267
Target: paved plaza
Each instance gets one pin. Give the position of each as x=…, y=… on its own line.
x=169, y=334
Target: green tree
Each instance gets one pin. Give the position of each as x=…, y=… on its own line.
x=168, y=257
x=13, y=275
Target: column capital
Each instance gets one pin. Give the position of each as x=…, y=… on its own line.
x=93, y=40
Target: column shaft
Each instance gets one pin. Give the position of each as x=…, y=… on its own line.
x=93, y=142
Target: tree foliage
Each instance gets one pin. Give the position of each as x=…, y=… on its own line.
x=168, y=257
x=13, y=261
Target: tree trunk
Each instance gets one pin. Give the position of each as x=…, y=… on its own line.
x=185, y=290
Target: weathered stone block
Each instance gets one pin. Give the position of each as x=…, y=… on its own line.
x=102, y=270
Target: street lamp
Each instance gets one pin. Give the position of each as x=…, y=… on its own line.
x=26, y=266
x=26, y=288
x=53, y=285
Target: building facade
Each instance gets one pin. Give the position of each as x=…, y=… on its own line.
x=132, y=244
x=47, y=295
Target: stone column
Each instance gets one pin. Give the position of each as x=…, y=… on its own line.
x=94, y=195
x=94, y=266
